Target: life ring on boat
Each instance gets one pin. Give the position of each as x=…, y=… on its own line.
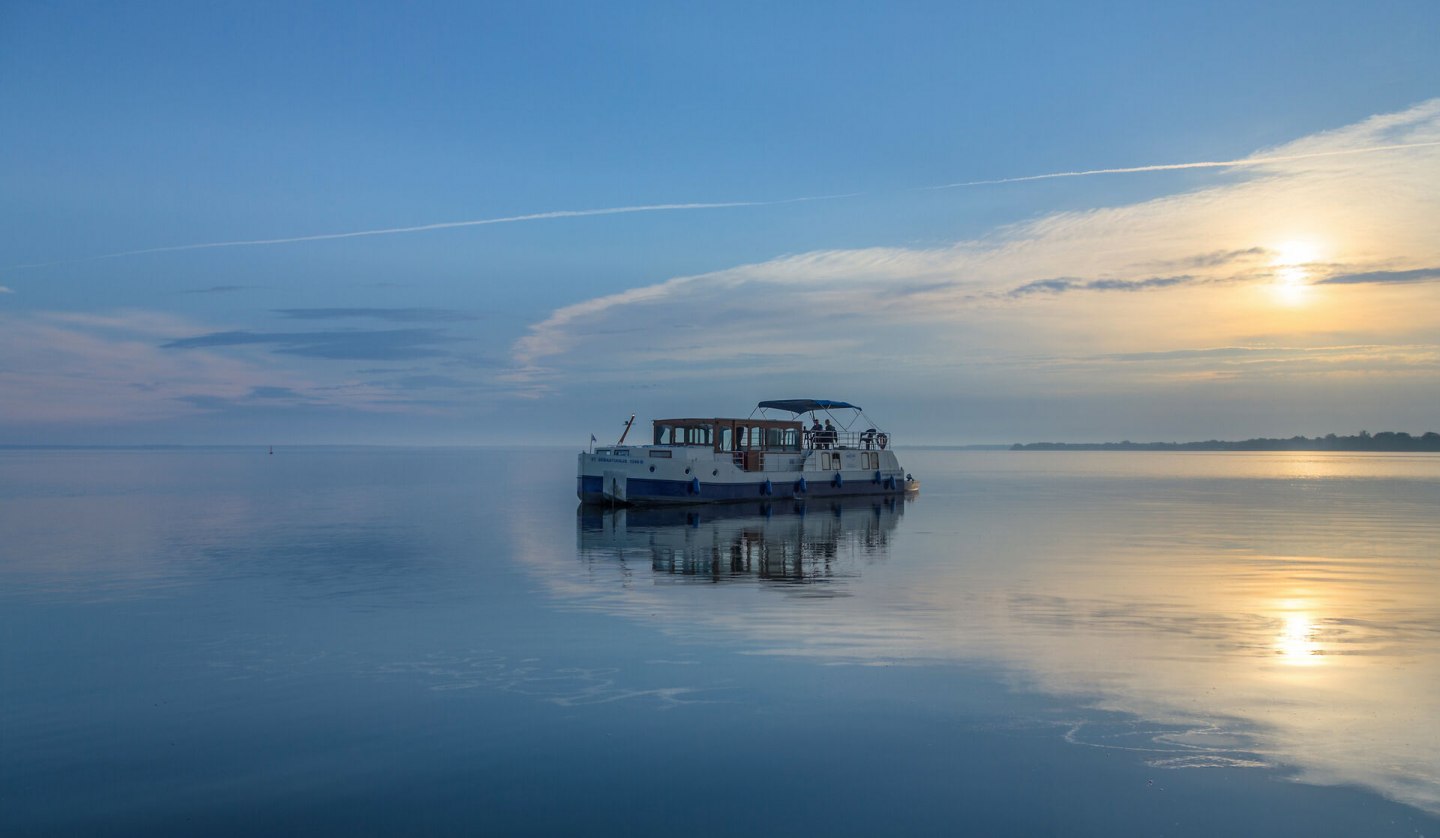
x=882, y=440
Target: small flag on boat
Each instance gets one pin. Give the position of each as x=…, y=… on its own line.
x=592, y=437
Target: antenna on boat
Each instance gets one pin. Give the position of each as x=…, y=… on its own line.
x=627, y=430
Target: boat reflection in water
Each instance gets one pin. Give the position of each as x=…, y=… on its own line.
x=791, y=542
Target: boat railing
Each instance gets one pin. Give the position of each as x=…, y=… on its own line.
x=866, y=440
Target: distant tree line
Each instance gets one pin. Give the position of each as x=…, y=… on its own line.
x=1363, y=441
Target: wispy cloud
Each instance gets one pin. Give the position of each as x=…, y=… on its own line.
x=383, y=345
x=217, y=289
x=1384, y=277
x=393, y=315
x=269, y=392
x=1215, y=264
x=126, y=367
x=1242, y=162
x=1063, y=284
x=108, y=368
x=1215, y=259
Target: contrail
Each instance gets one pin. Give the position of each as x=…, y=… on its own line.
x=443, y=225
x=542, y=216
x=1170, y=167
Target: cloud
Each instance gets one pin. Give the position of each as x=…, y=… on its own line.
x=1215, y=259
x=384, y=345
x=107, y=369
x=393, y=315
x=65, y=367
x=426, y=382
x=1417, y=275
x=275, y=393
x=217, y=289
x=1061, y=285
x=996, y=312
x=5, y=290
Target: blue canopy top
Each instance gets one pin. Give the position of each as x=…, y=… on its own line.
x=798, y=406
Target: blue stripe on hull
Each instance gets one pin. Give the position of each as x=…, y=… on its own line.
x=640, y=490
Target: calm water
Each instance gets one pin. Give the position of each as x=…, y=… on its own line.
x=380, y=641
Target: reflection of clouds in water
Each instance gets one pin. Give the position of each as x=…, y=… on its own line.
x=1275, y=618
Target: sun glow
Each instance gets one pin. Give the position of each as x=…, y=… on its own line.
x=1292, y=261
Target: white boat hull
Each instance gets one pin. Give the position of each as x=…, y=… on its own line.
x=662, y=474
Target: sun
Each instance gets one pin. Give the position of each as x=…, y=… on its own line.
x=1295, y=252
x=1292, y=262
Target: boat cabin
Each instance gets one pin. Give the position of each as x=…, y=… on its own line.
x=723, y=435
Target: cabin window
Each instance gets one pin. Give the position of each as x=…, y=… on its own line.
x=727, y=437
x=661, y=432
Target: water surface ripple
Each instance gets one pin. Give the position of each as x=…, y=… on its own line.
x=420, y=640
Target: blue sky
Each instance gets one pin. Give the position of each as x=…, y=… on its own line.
x=1186, y=303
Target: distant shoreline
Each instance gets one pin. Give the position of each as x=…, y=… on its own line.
x=1397, y=441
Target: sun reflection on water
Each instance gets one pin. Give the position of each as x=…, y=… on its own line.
x=1296, y=644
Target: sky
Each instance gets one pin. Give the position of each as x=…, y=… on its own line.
x=437, y=223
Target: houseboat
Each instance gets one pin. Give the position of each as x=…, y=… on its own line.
x=710, y=460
